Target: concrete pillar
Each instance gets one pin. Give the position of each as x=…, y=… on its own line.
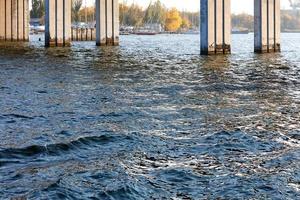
x=215, y=27
x=14, y=24
x=107, y=22
x=58, y=23
x=266, y=26
x=2, y=20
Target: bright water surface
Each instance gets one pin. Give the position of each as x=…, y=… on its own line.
x=151, y=119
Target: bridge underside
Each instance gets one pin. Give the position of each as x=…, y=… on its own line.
x=58, y=22
x=14, y=25
x=107, y=22
x=215, y=24
x=216, y=27
x=266, y=26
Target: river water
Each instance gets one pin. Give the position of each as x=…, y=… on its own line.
x=150, y=119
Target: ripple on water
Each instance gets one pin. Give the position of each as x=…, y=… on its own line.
x=154, y=122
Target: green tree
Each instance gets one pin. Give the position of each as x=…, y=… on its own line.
x=155, y=13
x=290, y=20
x=38, y=9
x=192, y=17
x=123, y=10
x=76, y=6
x=185, y=24
x=134, y=16
x=243, y=21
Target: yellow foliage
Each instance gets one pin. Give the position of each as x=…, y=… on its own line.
x=185, y=23
x=173, y=20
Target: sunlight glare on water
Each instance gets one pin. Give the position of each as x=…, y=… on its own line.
x=150, y=119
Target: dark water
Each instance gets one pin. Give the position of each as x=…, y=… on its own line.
x=151, y=119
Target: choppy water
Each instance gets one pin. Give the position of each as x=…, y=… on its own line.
x=151, y=119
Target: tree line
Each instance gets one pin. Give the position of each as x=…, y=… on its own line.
x=156, y=13
x=171, y=19
x=38, y=10
x=130, y=15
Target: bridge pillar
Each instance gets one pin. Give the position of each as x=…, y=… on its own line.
x=14, y=25
x=107, y=22
x=215, y=27
x=266, y=26
x=58, y=23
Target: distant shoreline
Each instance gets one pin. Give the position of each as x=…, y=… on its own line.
x=290, y=31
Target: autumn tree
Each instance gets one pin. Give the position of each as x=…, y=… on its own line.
x=88, y=12
x=173, y=20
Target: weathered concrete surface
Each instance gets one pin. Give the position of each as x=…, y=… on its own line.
x=266, y=26
x=14, y=20
x=58, y=23
x=107, y=22
x=215, y=26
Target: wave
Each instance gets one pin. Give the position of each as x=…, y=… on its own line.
x=58, y=148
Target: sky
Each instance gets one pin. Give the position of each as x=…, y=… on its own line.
x=238, y=6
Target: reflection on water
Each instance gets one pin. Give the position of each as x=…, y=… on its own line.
x=151, y=119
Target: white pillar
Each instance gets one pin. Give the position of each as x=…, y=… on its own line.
x=215, y=26
x=8, y=20
x=58, y=23
x=2, y=20
x=14, y=19
x=266, y=26
x=14, y=23
x=107, y=22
